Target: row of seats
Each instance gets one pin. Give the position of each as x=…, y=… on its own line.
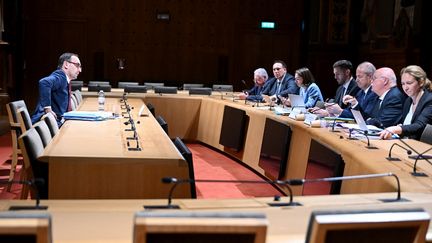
x=29, y=140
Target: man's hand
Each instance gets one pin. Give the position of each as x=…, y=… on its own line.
x=48, y=110
x=349, y=99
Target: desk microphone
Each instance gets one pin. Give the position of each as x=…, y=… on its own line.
x=300, y=182
x=33, y=184
x=366, y=133
x=334, y=124
x=176, y=182
x=390, y=158
x=419, y=155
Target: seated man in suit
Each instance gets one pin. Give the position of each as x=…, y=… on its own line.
x=54, y=90
x=417, y=110
x=254, y=94
x=282, y=83
x=342, y=70
x=388, y=109
x=364, y=100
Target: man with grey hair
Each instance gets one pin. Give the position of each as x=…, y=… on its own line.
x=254, y=94
x=365, y=100
x=388, y=108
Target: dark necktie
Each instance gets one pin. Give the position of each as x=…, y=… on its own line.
x=70, y=96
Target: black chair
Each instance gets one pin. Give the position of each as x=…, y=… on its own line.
x=99, y=83
x=163, y=124
x=151, y=108
x=426, y=136
x=125, y=84
x=165, y=90
x=223, y=87
x=51, y=123
x=189, y=86
x=187, y=155
x=43, y=131
x=98, y=87
x=153, y=85
x=136, y=89
x=24, y=119
x=200, y=91
x=76, y=85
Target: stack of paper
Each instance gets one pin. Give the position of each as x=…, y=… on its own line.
x=88, y=115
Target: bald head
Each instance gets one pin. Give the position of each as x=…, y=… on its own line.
x=383, y=80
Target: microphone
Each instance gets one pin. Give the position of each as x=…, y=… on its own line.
x=176, y=182
x=419, y=155
x=299, y=182
x=33, y=184
x=334, y=124
x=350, y=137
x=365, y=133
x=390, y=158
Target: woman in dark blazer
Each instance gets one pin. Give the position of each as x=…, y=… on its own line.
x=417, y=109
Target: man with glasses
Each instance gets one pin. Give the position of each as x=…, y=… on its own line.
x=254, y=94
x=388, y=109
x=54, y=90
x=281, y=84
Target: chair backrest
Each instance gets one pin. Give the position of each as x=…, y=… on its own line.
x=200, y=91
x=187, y=155
x=223, y=87
x=32, y=147
x=12, y=108
x=99, y=83
x=78, y=96
x=51, y=123
x=24, y=119
x=165, y=90
x=191, y=227
x=151, y=108
x=25, y=227
x=98, y=87
x=426, y=136
x=153, y=85
x=162, y=123
x=395, y=225
x=136, y=89
x=189, y=86
x=125, y=84
x=43, y=131
x=75, y=102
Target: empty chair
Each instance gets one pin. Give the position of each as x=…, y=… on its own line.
x=76, y=85
x=187, y=155
x=223, y=87
x=123, y=85
x=99, y=83
x=200, y=91
x=78, y=96
x=189, y=86
x=51, y=123
x=32, y=147
x=25, y=227
x=153, y=85
x=43, y=131
x=98, y=87
x=136, y=89
x=426, y=136
x=165, y=90
x=163, y=124
x=24, y=119
x=12, y=108
x=74, y=102
x=151, y=108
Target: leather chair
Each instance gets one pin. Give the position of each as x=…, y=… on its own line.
x=187, y=155
x=163, y=124
x=165, y=90
x=43, y=131
x=153, y=85
x=123, y=85
x=426, y=136
x=189, y=86
x=51, y=123
x=223, y=87
x=24, y=119
x=200, y=91
x=98, y=87
x=136, y=89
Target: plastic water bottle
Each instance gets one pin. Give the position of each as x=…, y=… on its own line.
x=101, y=100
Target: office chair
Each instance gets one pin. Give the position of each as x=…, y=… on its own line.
x=153, y=85
x=187, y=155
x=426, y=136
x=163, y=124
x=123, y=85
x=151, y=108
x=165, y=90
x=51, y=123
x=223, y=87
x=136, y=89
x=43, y=131
x=200, y=91
x=98, y=87
x=189, y=86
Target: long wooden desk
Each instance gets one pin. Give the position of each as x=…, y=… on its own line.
x=90, y=221
x=91, y=160
x=199, y=118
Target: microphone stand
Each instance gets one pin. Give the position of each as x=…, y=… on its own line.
x=176, y=182
x=299, y=182
x=390, y=158
x=32, y=184
x=415, y=163
x=365, y=133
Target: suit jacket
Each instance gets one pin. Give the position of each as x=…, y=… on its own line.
x=389, y=113
x=54, y=92
x=312, y=95
x=288, y=86
x=256, y=91
x=351, y=90
x=366, y=104
x=421, y=117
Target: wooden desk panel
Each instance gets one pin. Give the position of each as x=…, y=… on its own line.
x=91, y=160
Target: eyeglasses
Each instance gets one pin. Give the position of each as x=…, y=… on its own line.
x=276, y=69
x=77, y=65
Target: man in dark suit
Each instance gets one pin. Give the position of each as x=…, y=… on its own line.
x=282, y=83
x=342, y=70
x=364, y=100
x=254, y=94
x=54, y=90
x=388, y=109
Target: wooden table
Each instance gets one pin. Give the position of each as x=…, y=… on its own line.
x=91, y=159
